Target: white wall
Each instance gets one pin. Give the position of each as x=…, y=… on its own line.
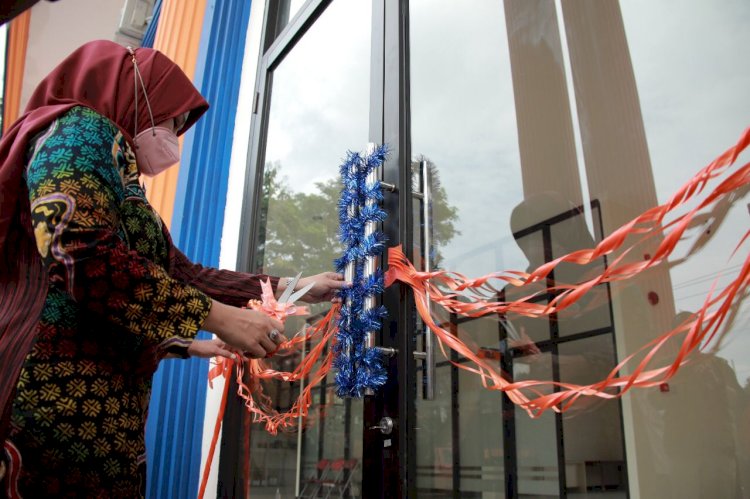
x=58, y=28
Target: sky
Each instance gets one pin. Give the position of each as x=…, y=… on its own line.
x=692, y=84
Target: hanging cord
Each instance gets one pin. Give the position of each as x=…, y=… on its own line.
x=136, y=77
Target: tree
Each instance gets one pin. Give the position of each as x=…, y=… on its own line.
x=298, y=232
x=443, y=214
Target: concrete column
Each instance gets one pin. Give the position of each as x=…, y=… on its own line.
x=545, y=128
x=619, y=173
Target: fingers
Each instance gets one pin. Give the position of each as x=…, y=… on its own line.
x=276, y=324
x=336, y=281
x=270, y=339
x=277, y=337
x=221, y=349
x=268, y=345
x=223, y=352
x=255, y=352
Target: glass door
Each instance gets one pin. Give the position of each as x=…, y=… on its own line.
x=497, y=184
x=312, y=105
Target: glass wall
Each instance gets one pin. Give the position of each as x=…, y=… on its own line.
x=490, y=113
x=694, y=439
x=547, y=125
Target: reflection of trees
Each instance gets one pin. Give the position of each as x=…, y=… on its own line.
x=443, y=214
x=302, y=233
x=298, y=232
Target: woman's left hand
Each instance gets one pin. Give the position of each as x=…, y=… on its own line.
x=210, y=348
x=325, y=286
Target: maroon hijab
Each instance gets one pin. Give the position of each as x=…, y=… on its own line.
x=98, y=75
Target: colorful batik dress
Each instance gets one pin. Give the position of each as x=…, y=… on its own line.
x=112, y=311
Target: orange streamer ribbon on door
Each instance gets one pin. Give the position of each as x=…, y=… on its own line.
x=451, y=289
x=256, y=402
x=529, y=394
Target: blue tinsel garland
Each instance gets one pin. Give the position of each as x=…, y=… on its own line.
x=359, y=368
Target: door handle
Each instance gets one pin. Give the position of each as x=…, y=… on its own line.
x=385, y=426
x=428, y=355
x=371, y=264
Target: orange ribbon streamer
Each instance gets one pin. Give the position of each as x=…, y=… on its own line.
x=258, y=403
x=223, y=368
x=529, y=394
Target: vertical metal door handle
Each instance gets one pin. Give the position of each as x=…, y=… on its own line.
x=370, y=262
x=351, y=212
x=428, y=355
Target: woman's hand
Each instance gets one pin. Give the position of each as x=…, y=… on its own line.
x=325, y=286
x=251, y=332
x=207, y=349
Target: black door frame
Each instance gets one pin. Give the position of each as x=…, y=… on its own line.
x=388, y=460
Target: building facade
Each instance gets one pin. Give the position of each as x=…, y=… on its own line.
x=533, y=128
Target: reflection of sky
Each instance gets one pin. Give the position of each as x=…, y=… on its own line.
x=463, y=119
x=320, y=101
x=693, y=93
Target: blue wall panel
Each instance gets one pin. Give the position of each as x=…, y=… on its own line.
x=174, y=430
x=150, y=35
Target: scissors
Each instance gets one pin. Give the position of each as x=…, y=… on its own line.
x=289, y=296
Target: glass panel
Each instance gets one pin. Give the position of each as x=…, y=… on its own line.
x=463, y=125
x=592, y=431
x=569, y=232
x=331, y=438
x=480, y=453
x=535, y=438
x=693, y=97
x=491, y=115
x=434, y=438
x=319, y=109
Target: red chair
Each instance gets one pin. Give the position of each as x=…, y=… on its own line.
x=314, y=481
x=344, y=473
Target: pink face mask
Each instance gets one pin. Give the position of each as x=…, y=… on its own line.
x=156, y=150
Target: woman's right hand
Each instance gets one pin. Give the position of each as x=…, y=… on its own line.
x=246, y=330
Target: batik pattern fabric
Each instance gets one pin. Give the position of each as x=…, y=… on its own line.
x=112, y=311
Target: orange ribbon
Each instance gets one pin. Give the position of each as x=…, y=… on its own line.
x=223, y=367
x=450, y=290
x=272, y=308
x=262, y=409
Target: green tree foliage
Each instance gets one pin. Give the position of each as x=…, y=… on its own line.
x=299, y=231
x=443, y=214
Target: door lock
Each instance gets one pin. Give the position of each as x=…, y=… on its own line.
x=385, y=426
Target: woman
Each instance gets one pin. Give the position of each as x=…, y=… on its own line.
x=92, y=291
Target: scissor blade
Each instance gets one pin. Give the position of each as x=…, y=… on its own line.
x=289, y=290
x=299, y=294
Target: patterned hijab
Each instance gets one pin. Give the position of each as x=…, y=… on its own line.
x=99, y=75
